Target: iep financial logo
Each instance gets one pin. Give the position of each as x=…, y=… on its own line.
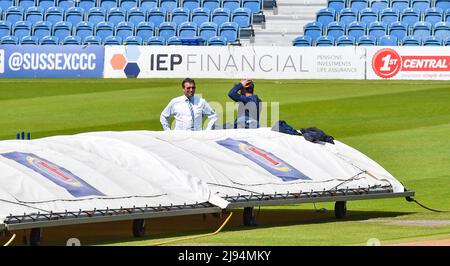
x=52, y=61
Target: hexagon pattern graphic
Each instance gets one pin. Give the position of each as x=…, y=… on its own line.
x=132, y=70
x=118, y=61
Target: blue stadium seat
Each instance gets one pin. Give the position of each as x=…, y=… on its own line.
x=1, y=13
x=207, y=30
x=187, y=29
x=231, y=4
x=346, y=41
x=302, y=41
x=356, y=29
x=108, y=4
x=255, y=6
x=84, y=29
x=377, y=29
x=21, y=29
x=366, y=41
x=156, y=40
x=220, y=16
x=156, y=15
x=145, y=30
x=174, y=40
x=389, y=15
x=180, y=15
x=421, y=30
x=5, y=28
x=29, y=40
x=325, y=16
x=4, y=4
x=421, y=5
x=433, y=15
x=379, y=4
x=112, y=40
x=92, y=40
x=325, y=41
x=368, y=15
x=65, y=4
x=200, y=15
x=398, y=29
x=133, y=40
x=116, y=15
x=168, y=5
x=229, y=30
x=387, y=40
x=313, y=30
x=337, y=5
x=148, y=4
x=447, y=41
x=42, y=29
x=71, y=40
x=410, y=41
x=167, y=30
x=217, y=41
x=447, y=15
x=399, y=4
x=348, y=15
x=124, y=29
x=442, y=4
x=441, y=30
x=432, y=41
x=136, y=15
x=74, y=15
x=86, y=4
x=54, y=14
x=410, y=16
x=34, y=14
x=9, y=40
x=49, y=40
x=45, y=4
x=14, y=14
x=104, y=29
x=242, y=16
x=336, y=29
x=96, y=15
x=62, y=29
x=358, y=4
x=211, y=4
x=128, y=4
x=25, y=4
x=191, y=4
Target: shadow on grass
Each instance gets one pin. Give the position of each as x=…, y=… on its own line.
x=187, y=227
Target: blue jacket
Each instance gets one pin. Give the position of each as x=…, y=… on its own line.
x=244, y=110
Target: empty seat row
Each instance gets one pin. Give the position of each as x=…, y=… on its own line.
x=242, y=16
x=420, y=30
x=382, y=4
x=387, y=15
x=254, y=5
x=144, y=30
x=386, y=40
x=108, y=40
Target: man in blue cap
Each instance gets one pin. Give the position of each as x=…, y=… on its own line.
x=249, y=104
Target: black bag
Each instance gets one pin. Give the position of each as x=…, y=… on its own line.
x=315, y=135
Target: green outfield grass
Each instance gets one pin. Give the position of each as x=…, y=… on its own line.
x=403, y=125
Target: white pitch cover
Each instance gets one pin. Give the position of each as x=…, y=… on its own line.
x=102, y=170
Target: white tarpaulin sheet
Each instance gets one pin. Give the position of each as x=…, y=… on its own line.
x=136, y=168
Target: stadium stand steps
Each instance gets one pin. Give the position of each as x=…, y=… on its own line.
x=285, y=20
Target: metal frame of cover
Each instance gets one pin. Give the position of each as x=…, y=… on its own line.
x=39, y=220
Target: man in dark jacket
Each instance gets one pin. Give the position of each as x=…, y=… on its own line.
x=249, y=104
